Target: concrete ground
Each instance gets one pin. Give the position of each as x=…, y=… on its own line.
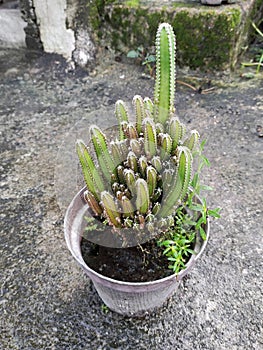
x=46, y=302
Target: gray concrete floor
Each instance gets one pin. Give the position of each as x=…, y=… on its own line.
x=46, y=302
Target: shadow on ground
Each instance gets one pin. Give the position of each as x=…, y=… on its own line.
x=46, y=301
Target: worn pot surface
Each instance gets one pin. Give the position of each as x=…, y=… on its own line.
x=127, y=298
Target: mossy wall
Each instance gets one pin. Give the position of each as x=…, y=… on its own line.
x=206, y=36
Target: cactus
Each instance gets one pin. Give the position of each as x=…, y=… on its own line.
x=165, y=73
x=139, y=111
x=148, y=169
x=121, y=114
x=104, y=158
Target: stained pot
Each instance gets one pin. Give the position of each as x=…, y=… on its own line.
x=126, y=298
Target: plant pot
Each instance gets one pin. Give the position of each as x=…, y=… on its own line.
x=126, y=298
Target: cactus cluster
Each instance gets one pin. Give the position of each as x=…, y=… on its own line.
x=139, y=178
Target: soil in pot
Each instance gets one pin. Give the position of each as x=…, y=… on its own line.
x=143, y=263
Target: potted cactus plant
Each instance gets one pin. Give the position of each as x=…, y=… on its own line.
x=141, y=197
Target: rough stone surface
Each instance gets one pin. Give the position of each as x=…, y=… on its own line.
x=208, y=37
x=51, y=16
x=32, y=29
x=85, y=50
x=12, y=26
x=46, y=302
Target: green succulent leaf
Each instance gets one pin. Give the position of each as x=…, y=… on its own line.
x=91, y=174
x=142, y=196
x=151, y=178
x=105, y=160
x=127, y=207
x=150, y=138
x=166, y=144
x=111, y=209
x=139, y=112
x=121, y=114
x=192, y=141
x=180, y=185
x=93, y=203
x=148, y=107
x=130, y=179
x=176, y=130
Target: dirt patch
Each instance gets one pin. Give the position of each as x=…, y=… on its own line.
x=136, y=264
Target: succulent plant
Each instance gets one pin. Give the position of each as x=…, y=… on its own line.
x=140, y=178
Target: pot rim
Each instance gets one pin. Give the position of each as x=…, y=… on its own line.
x=199, y=248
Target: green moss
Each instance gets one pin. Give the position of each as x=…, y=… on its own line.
x=132, y=3
x=205, y=37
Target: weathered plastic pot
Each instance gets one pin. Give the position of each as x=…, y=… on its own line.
x=126, y=298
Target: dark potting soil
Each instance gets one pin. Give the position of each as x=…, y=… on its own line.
x=136, y=264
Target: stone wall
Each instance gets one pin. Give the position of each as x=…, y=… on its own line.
x=57, y=26
x=209, y=38
x=33, y=40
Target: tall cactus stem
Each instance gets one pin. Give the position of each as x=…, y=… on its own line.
x=156, y=162
x=130, y=179
x=164, y=91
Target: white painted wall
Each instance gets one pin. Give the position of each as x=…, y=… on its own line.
x=55, y=37
x=12, y=26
